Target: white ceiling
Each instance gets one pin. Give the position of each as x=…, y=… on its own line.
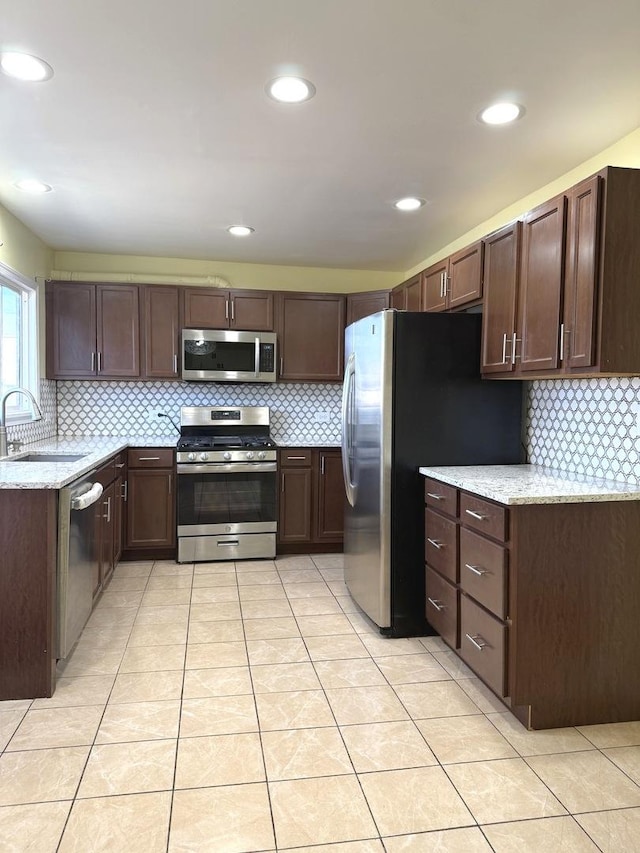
x=156, y=132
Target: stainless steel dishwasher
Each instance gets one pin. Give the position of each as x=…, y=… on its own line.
x=78, y=559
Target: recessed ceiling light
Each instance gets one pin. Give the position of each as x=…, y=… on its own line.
x=240, y=230
x=409, y=203
x=290, y=90
x=25, y=67
x=31, y=185
x=501, y=113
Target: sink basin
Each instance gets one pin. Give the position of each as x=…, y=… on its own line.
x=49, y=457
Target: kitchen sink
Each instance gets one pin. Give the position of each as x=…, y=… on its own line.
x=49, y=457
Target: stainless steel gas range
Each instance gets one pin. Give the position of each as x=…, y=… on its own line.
x=227, y=484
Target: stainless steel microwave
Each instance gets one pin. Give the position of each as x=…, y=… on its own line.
x=223, y=355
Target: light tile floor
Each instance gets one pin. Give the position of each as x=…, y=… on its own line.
x=222, y=708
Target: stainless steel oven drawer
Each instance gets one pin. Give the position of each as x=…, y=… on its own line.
x=243, y=546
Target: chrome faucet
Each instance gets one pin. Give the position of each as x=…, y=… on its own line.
x=35, y=408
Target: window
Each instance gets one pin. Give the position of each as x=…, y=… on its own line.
x=18, y=343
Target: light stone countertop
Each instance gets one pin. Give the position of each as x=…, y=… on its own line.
x=531, y=484
x=56, y=475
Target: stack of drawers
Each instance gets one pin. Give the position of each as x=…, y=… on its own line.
x=466, y=578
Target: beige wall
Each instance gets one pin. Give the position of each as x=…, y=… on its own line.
x=625, y=152
x=86, y=265
x=25, y=253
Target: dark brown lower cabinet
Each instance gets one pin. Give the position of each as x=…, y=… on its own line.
x=311, y=499
x=149, y=495
x=548, y=597
x=108, y=520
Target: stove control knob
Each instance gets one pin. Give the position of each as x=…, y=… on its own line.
x=191, y=457
x=226, y=455
x=204, y=456
x=250, y=454
x=261, y=455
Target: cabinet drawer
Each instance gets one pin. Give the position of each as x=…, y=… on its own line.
x=482, y=515
x=483, y=571
x=441, y=544
x=441, y=607
x=440, y=496
x=151, y=457
x=105, y=474
x=483, y=644
x=120, y=462
x=296, y=456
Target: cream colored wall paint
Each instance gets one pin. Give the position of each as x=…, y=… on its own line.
x=625, y=152
x=27, y=254
x=258, y=276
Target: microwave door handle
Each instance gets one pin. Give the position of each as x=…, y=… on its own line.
x=257, y=359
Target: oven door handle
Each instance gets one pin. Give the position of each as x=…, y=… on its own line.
x=257, y=356
x=228, y=468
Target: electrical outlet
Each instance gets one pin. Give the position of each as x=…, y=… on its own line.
x=152, y=414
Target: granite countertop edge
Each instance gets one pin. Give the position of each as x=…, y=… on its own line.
x=531, y=484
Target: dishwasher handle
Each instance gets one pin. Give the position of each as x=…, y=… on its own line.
x=87, y=498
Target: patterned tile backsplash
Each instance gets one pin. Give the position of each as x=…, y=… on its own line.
x=307, y=414
x=587, y=426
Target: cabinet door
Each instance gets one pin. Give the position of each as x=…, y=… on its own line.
x=311, y=336
x=295, y=505
x=161, y=331
x=361, y=305
x=501, y=273
x=414, y=293
x=398, y=298
x=150, y=508
x=107, y=512
x=331, y=497
x=71, y=330
x=581, y=275
x=118, y=330
x=434, y=283
x=205, y=308
x=541, y=285
x=251, y=310
x=118, y=517
x=464, y=283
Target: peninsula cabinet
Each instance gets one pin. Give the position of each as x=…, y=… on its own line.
x=310, y=330
x=160, y=331
x=541, y=600
x=564, y=300
x=150, y=518
x=92, y=331
x=361, y=305
x=455, y=281
x=311, y=499
x=211, y=308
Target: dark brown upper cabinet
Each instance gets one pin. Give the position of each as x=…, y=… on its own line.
x=455, y=281
x=578, y=297
x=501, y=277
x=311, y=336
x=408, y=295
x=210, y=308
x=361, y=305
x=92, y=331
x=160, y=332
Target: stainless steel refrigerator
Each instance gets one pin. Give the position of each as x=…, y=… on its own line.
x=412, y=396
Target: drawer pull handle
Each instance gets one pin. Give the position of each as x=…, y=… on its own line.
x=227, y=542
x=477, y=641
x=435, y=544
x=475, y=515
x=120, y=464
x=476, y=570
x=435, y=497
x=148, y=458
x=290, y=458
x=436, y=604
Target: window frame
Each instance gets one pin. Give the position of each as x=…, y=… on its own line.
x=18, y=406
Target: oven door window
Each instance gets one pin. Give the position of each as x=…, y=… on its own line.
x=226, y=498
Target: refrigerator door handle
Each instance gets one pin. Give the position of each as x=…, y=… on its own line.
x=347, y=437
